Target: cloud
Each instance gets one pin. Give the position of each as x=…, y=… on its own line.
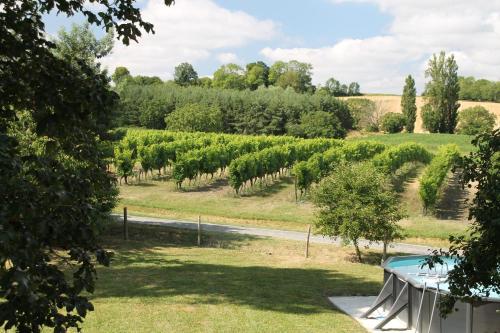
x=191, y=31
x=225, y=58
x=470, y=30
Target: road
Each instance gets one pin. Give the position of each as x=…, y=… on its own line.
x=261, y=232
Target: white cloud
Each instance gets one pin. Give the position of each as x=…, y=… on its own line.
x=226, y=58
x=191, y=30
x=470, y=30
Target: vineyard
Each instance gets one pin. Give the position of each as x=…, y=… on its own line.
x=248, y=161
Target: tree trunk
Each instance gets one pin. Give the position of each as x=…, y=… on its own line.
x=358, y=252
x=384, y=251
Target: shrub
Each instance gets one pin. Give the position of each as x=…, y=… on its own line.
x=475, y=120
x=392, y=122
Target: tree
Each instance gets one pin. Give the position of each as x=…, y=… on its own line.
x=195, y=118
x=478, y=255
x=294, y=74
x=185, y=75
x=80, y=44
x=409, y=103
x=392, y=122
x=475, y=120
x=56, y=191
x=356, y=202
x=120, y=74
x=362, y=111
x=353, y=89
x=205, y=82
x=318, y=124
x=257, y=75
x=441, y=92
x=229, y=76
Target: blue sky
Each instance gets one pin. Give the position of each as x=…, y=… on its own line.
x=374, y=42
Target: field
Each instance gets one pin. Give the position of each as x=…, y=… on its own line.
x=230, y=284
x=391, y=103
x=273, y=205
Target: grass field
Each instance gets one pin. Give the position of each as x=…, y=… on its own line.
x=392, y=103
x=160, y=282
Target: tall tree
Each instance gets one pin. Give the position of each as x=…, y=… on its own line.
x=55, y=188
x=80, y=44
x=230, y=76
x=185, y=75
x=257, y=74
x=120, y=74
x=409, y=103
x=353, y=89
x=294, y=74
x=442, y=92
x=476, y=272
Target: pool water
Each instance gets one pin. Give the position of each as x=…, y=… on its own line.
x=410, y=268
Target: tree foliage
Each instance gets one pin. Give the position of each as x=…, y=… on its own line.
x=230, y=76
x=185, y=75
x=441, y=94
x=408, y=104
x=357, y=202
x=195, y=118
x=476, y=273
x=475, y=120
x=318, y=124
x=263, y=111
x=479, y=90
x=56, y=191
x=363, y=112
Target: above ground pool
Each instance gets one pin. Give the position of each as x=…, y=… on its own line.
x=411, y=293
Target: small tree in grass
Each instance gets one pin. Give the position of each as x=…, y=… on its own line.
x=357, y=202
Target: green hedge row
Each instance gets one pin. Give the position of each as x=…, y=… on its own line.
x=433, y=178
x=321, y=164
x=393, y=158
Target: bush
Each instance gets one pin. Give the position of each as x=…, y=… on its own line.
x=318, y=124
x=475, y=120
x=195, y=118
x=392, y=122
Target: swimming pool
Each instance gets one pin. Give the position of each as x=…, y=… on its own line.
x=411, y=293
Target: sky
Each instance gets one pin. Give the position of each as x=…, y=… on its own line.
x=374, y=42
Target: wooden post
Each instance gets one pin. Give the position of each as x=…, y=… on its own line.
x=199, y=230
x=125, y=226
x=307, y=242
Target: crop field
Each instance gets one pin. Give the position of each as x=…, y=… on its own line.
x=193, y=185
x=392, y=103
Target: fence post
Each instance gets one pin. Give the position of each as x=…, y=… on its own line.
x=199, y=230
x=307, y=242
x=125, y=225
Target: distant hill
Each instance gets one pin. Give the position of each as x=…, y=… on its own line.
x=392, y=103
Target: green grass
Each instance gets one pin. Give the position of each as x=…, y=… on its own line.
x=160, y=282
x=430, y=141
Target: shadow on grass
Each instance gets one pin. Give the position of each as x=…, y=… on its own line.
x=139, y=270
x=266, y=190
x=288, y=290
x=143, y=237
x=452, y=205
x=205, y=185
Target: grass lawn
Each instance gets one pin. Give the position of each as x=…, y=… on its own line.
x=160, y=282
x=430, y=141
